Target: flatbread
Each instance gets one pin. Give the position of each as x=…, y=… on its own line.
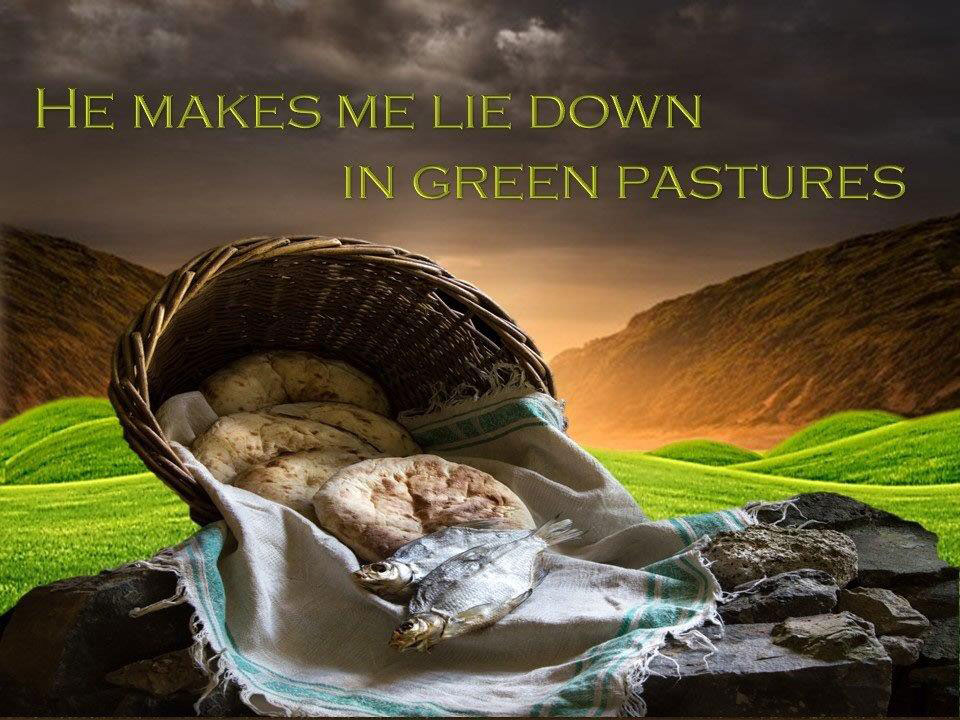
x=388, y=436
x=379, y=505
x=293, y=479
x=258, y=381
x=236, y=442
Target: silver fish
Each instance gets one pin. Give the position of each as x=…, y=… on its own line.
x=477, y=588
x=397, y=575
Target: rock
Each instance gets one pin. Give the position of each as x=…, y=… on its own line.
x=935, y=691
x=902, y=650
x=61, y=640
x=176, y=678
x=750, y=675
x=829, y=510
x=224, y=701
x=762, y=551
x=889, y=613
x=831, y=637
x=896, y=554
x=936, y=600
x=791, y=594
x=940, y=642
x=164, y=675
x=892, y=551
x=4, y=619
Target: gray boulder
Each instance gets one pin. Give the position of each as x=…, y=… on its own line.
x=790, y=594
x=759, y=551
x=902, y=650
x=936, y=600
x=940, y=642
x=61, y=639
x=162, y=676
x=895, y=554
x=831, y=637
x=829, y=511
x=934, y=690
x=892, y=551
x=749, y=675
x=889, y=613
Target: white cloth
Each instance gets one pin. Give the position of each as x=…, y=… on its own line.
x=275, y=601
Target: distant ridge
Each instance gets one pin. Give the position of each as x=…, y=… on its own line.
x=871, y=322
x=62, y=307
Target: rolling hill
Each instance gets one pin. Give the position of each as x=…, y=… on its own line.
x=834, y=427
x=706, y=452
x=63, y=307
x=63, y=441
x=868, y=322
x=920, y=451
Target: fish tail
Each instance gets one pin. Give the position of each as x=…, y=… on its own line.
x=553, y=532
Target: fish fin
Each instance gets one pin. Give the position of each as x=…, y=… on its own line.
x=487, y=552
x=481, y=616
x=539, y=575
x=553, y=532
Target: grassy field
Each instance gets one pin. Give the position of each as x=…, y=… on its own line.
x=59, y=530
x=75, y=500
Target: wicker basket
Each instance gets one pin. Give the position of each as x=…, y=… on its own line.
x=398, y=316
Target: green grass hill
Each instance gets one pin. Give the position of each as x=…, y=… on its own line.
x=834, y=427
x=706, y=452
x=922, y=451
x=64, y=441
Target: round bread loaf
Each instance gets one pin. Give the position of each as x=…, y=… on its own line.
x=293, y=479
x=236, y=442
x=258, y=381
x=386, y=435
x=378, y=505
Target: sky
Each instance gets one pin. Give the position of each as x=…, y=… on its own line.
x=808, y=82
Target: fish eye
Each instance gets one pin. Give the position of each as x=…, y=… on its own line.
x=380, y=567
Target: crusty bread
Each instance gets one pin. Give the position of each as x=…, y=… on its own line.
x=238, y=441
x=293, y=479
x=378, y=505
x=388, y=436
x=270, y=378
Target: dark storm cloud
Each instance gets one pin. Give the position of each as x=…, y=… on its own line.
x=804, y=82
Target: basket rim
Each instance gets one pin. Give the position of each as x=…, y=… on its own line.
x=134, y=350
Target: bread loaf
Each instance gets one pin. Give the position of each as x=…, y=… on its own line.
x=270, y=378
x=378, y=505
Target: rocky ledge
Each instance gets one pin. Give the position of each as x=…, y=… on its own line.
x=840, y=609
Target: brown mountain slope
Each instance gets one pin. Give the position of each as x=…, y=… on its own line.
x=872, y=322
x=62, y=307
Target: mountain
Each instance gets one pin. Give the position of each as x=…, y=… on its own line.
x=872, y=322
x=62, y=307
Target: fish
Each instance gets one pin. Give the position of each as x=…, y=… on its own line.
x=478, y=587
x=396, y=576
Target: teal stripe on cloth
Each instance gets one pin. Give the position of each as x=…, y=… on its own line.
x=202, y=553
x=466, y=429
x=676, y=591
